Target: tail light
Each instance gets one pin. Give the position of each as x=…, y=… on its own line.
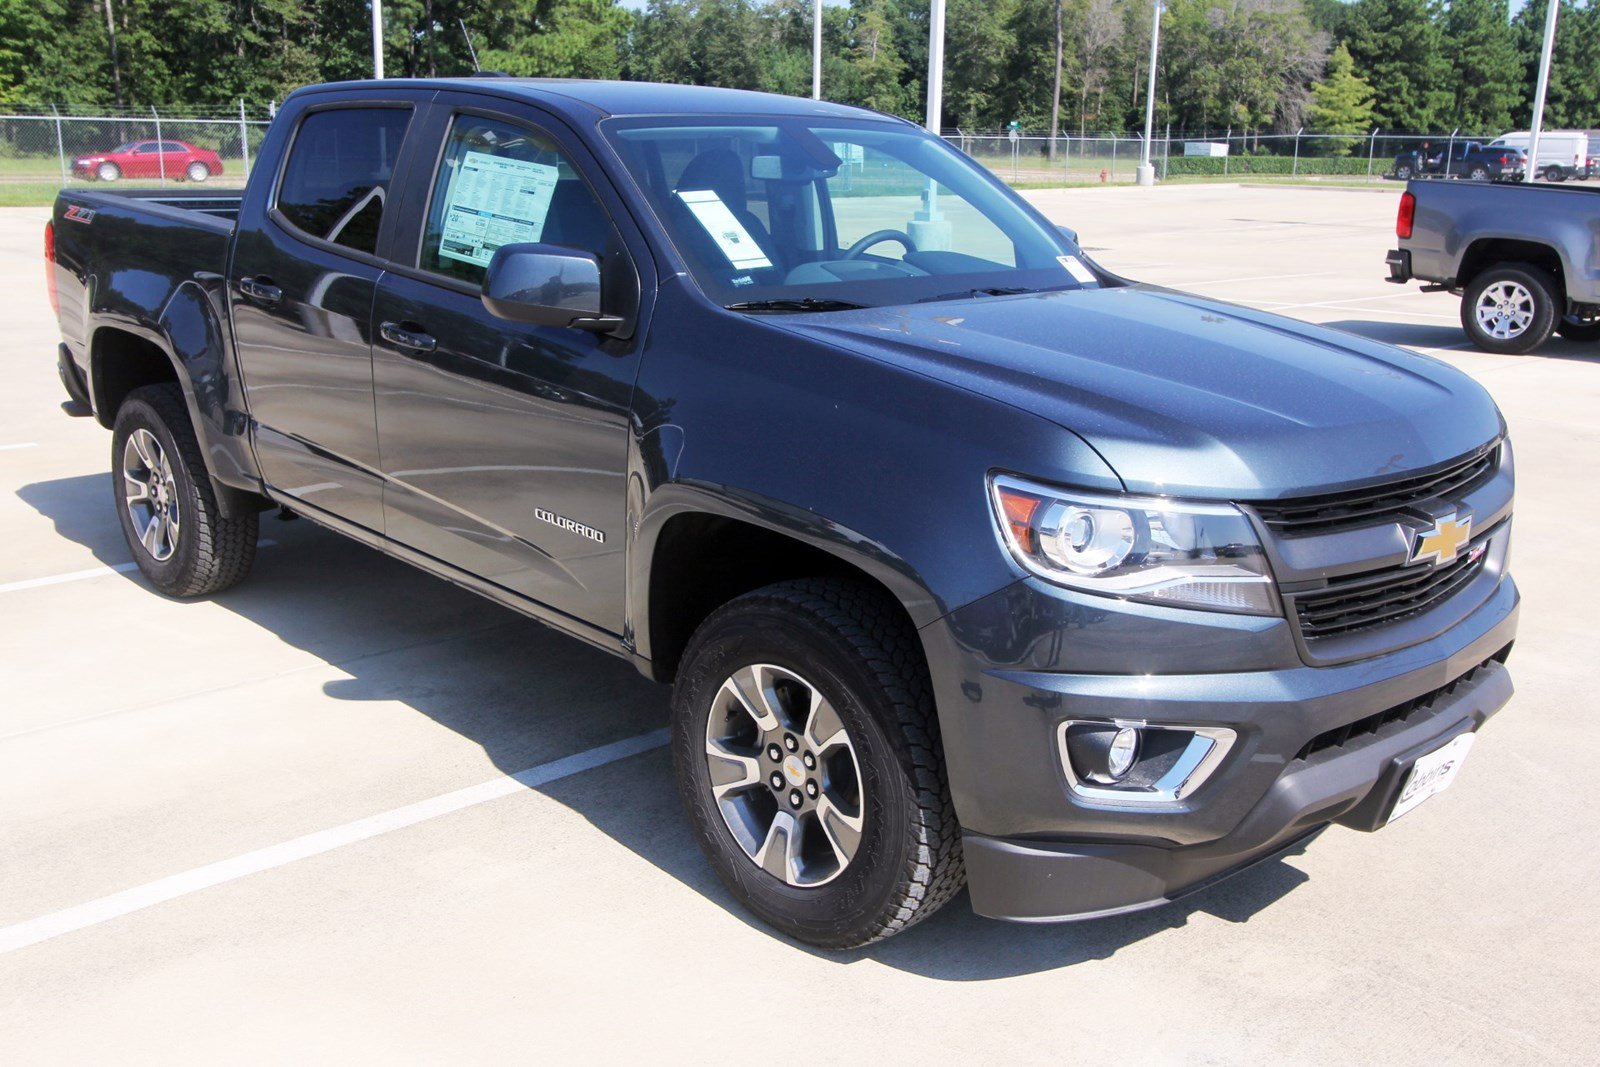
x=1408, y=212
x=50, y=266
x=1504, y=160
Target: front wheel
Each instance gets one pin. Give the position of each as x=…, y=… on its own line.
x=807, y=753
x=168, y=510
x=1510, y=308
x=108, y=172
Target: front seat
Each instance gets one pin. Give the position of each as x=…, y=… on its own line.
x=722, y=172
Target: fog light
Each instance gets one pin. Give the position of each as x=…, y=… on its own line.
x=1124, y=750
x=1102, y=753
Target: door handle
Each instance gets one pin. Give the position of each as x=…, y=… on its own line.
x=408, y=336
x=261, y=290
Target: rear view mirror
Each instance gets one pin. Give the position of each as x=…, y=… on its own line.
x=546, y=285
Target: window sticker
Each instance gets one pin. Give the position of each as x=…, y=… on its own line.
x=494, y=201
x=725, y=229
x=1075, y=267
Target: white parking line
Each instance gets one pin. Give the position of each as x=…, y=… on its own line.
x=24, y=444
x=84, y=575
x=95, y=912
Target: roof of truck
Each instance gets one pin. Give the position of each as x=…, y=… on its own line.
x=600, y=99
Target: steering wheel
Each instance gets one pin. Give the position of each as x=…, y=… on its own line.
x=856, y=250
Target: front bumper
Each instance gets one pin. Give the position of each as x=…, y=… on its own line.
x=1311, y=747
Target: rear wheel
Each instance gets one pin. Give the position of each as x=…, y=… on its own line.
x=198, y=172
x=807, y=754
x=1581, y=328
x=1510, y=308
x=1480, y=173
x=108, y=172
x=1554, y=174
x=168, y=510
x=1403, y=171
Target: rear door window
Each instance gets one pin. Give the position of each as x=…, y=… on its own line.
x=336, y=181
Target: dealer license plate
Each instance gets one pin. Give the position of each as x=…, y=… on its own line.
x=1432, y=774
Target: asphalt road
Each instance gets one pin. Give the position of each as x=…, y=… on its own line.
x=277, y=825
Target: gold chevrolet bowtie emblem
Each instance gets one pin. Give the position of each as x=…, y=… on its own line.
x=1443, y=542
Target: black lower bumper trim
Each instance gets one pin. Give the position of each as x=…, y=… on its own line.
x=1048, y=881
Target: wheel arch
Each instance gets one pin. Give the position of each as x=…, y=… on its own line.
x=695, y=551
x=1486, y=252
x=184, y=347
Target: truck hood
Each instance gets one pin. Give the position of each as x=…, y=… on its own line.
x=1186, y=396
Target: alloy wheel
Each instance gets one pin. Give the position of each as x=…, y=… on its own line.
x=150, y=493
x=784, y=775
x=1505, y=310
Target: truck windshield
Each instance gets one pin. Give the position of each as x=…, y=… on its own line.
x=806, y=215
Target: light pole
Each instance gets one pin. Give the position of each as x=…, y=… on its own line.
x=1538, y=93
x=1146, y=174
x=928, y=227
x=816, y=50
x=377, y=39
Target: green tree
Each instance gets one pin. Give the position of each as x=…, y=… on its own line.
x=1486, y=77
x=1573, y=97
x=1341, y=102
x=1399, y=47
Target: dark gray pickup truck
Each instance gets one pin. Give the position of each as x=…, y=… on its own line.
x=970, y=562
x=1525, y=259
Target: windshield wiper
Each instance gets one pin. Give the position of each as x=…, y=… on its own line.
x=803, y=303
x=965, y=293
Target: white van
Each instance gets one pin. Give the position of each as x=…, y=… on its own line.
x=1563, y=154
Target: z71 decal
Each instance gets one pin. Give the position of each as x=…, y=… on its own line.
x=78, y=213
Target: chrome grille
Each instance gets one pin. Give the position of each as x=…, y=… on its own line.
x=1377, y=597
x=1332, y=512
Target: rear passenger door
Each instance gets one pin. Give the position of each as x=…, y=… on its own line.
x=500, y=440
x=305, y=267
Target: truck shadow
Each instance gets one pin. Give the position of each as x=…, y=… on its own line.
x=528, y=695
x=1415, y=335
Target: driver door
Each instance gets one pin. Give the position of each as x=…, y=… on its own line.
x=504, y=445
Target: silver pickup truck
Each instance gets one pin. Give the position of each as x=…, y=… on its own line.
x=1525, y=259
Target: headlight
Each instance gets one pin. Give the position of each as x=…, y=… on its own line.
x=1185, y=554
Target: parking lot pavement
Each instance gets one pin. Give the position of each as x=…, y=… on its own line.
x=277, y=823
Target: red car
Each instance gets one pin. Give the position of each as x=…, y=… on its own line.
x=149, y=159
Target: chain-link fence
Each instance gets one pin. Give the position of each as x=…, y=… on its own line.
x=1029, y=158
x=40, y=151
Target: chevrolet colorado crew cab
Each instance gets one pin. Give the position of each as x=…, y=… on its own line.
x=1522, y=258
x=970, y=562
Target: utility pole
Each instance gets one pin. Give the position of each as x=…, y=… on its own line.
x=928, y=227
x=935, y=67
x=1146, y=174
x=1055, y=95
x=816, y=49
x=116, y=63
x=1538, y=93
x=377, y=39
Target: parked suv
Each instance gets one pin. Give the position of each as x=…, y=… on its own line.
x=969, y=561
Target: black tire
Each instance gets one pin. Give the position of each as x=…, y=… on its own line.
x=860, y=653
x=1402, y=171
x=197, y=172
x=1577, y=328
x=210, y=552
x=108, y=172
x=1541, y=289
x=1480, y=173
x=72, y=381
x=1554, y=174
